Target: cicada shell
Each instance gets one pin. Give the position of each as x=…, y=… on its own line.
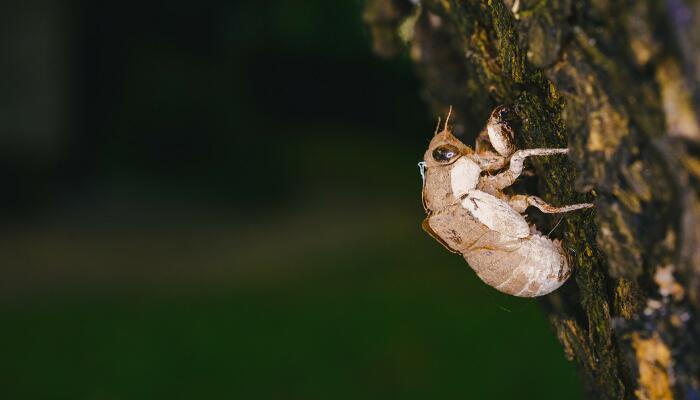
x=469, y=214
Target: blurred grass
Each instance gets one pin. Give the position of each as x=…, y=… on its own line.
x=380, y=313
x=340, y=335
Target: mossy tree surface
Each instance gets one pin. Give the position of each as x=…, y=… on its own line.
x=618, y=82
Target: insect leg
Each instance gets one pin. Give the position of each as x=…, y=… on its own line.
x=488, y=159
x=491, y=162
x=507, y=178
x=521, y=202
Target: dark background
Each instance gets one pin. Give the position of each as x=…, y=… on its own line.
x=220, y=199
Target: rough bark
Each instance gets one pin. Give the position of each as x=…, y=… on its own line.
x=619, y=83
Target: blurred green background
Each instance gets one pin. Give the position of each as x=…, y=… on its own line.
x=220, y=199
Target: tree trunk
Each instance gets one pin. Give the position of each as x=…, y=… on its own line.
x=619, y=83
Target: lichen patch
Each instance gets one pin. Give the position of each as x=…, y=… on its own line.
x=654, y=360
x=668, y=286
x=607, y=128
x=677, y=101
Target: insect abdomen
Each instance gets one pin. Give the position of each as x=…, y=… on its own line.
x=537, y=267
x=525, y=267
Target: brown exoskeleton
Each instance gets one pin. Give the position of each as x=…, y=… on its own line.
x=469, y=213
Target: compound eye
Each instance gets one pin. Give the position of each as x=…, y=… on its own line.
x=445, y=153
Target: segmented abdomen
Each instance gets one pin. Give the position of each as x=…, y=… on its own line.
x=525, y=267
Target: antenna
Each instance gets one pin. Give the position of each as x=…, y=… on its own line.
x=437, y=127
x=447, y=120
